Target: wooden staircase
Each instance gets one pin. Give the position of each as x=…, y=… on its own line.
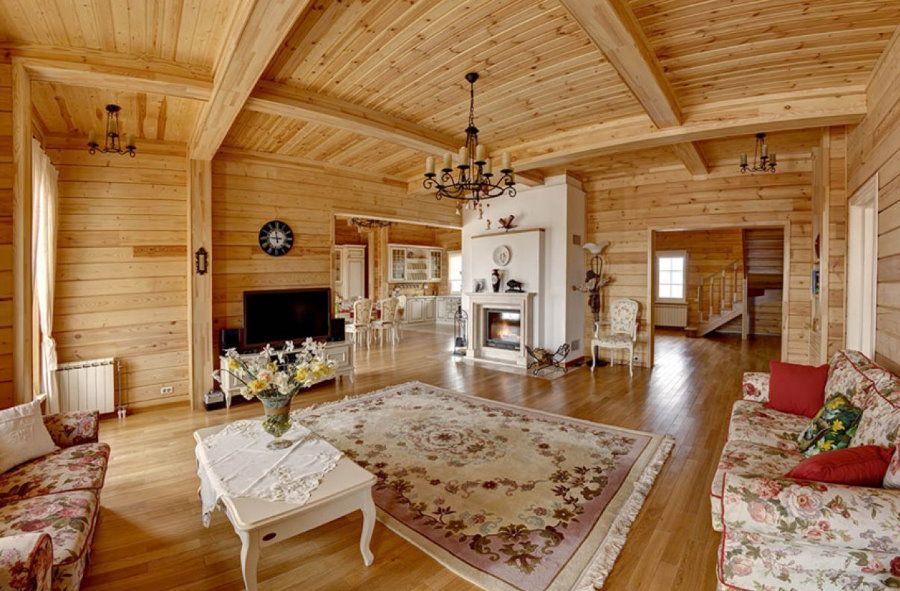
x=720, y=298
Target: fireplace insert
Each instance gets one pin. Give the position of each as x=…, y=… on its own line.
x=503, y=329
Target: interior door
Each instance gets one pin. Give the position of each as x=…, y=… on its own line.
x=355, y=282
x=862, y=266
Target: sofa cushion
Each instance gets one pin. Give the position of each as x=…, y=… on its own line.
x=797, y=389
x=832, y=428
x=752, y=422
x=68, y=517
x=856, y=466
x=846, y=377
x=23, y=435
x=71, y=468
x=880, y=422
x=892, y=476
x=752, y=459
x=753, y=561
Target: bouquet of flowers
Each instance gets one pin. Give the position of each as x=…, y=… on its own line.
x=278, y=373
x=274, y=377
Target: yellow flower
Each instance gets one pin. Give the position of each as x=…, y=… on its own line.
x=302, y=374
x=272, y=366
x=233, y=364
x=826, y=445
x=257, y=385
x=837, y=425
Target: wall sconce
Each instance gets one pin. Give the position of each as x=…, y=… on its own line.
x=201, y=261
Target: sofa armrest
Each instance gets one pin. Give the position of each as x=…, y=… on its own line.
x=835, y=515
x=755, y=386
x=26, y=562
x=72, y=428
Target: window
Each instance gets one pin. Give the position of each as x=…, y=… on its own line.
x=670, y=269
x=454, y=271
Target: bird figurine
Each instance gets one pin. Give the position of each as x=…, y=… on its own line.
x=507, y=222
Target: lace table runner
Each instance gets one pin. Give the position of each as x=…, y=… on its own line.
x=235, y=462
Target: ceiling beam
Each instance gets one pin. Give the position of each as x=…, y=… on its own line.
x=689, y=153
x=616, y=32
x=96, y=70
x=257, y=31
x=800, y=110
x=295, y=103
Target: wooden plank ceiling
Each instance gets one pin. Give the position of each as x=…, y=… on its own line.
x=566, y=84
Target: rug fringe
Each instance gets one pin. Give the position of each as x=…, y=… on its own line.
x=601, y=564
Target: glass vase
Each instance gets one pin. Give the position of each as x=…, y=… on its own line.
x=278, y=418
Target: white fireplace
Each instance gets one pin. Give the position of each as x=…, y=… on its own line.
x=501, y=326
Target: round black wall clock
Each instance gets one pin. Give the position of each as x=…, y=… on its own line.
x=276, y=238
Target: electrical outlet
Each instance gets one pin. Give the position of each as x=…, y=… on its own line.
x=166, y=390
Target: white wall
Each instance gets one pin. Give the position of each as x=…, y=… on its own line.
x=546, y=262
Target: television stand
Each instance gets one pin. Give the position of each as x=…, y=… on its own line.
x=341, y=352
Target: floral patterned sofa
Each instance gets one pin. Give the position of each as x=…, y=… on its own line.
x=49, y=508
x=780, y=534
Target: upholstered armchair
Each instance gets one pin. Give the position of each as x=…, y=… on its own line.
x=622, y=331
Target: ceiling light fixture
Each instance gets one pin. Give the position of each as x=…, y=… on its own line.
x=368, y=223
x=475, y=180
x=112, y=141
x=762, y=161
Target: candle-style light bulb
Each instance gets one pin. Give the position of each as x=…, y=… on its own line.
x=92, y=137
x=487, y=166
x=743, y=159
x=429, y=165
x=464, y=156
x=479, y=153
x=448, y=161
x=504, y=161
x=765, y=151
x=130, y=140
x=772, y=159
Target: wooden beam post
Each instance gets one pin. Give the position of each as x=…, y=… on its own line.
x=200, y=331
x=690, y=155
x=23, y=292
x=256, y=34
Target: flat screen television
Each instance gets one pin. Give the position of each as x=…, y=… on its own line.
x=276, y=316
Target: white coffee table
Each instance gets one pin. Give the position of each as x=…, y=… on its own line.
x=260, y=523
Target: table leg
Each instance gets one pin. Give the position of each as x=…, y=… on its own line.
x=249, y=558
x=368, y=511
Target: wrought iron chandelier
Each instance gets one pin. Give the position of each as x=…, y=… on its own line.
x=112, y=141
x=762, y=161
x=474, y=180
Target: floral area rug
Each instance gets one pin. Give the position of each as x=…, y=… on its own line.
x=506, y=497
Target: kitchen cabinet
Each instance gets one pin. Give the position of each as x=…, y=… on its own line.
x=350, y=271
x=415, y=264
x=446, y=307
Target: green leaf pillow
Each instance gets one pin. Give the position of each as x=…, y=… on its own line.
x=832, y=427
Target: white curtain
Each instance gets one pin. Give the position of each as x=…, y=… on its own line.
x=43, y=252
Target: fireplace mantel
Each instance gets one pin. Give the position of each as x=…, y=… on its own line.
x=478, y=350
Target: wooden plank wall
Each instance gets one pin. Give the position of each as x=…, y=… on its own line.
x=248, y=193
x=830, y=226
x=874, y=147
x=347, y=234
x=6, y=258
x=707, y=252
x=121, y=270
x=624, y=210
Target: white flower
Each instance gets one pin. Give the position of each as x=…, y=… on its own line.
x=802, y=502
x=289, y=346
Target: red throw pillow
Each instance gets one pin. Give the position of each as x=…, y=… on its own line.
x=865, y=465
x=797, y=389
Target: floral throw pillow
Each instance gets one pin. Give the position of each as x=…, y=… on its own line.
x=832, y=428
x=892, y=477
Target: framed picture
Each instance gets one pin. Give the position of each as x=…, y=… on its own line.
x=480, y=285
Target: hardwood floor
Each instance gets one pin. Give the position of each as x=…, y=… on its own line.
x=150, y=536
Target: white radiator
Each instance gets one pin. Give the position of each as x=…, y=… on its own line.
x=87, y=385
x=671, y=315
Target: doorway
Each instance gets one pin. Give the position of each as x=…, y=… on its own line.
x=719, y=282
x=862, y=261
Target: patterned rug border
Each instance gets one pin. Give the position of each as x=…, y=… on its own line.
x=601, y=563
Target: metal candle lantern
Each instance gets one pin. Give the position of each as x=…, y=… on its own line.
x=460, y=324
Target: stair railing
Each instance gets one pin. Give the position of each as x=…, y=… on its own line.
x=715, y=286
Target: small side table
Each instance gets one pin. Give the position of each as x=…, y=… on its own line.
x=260, y=523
